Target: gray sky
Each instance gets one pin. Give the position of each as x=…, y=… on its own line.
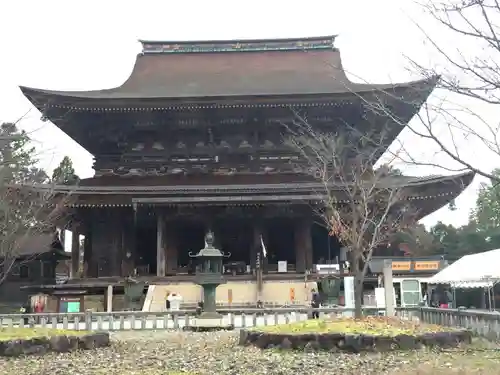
x=82, y=45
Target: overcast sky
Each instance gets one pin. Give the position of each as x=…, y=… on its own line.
x=82, y=45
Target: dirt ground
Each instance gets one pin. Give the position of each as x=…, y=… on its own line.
x=173, y=353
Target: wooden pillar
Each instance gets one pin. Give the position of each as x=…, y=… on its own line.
x=308, y=245
x=303, y=246
x=127, y=251
x=115, y=251
x=255, y=247
x=160, y=245
x=171, y=248
x=87, y=253
x=75, y=253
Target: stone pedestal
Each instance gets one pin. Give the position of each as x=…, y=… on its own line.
x=209, y=322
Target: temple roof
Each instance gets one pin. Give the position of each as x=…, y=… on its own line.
x=238, y=68
x=171, y=186
x=428, y=193
x=39, y=243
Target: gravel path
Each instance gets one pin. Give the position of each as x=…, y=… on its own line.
x=169, y=353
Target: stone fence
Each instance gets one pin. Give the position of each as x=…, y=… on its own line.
x=482, y=323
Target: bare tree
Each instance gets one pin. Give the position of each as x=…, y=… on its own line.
x=28, y=204
x=363, y=206
x=462, y=114
x=24, y=212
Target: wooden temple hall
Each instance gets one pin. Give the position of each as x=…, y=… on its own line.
x=193, y=141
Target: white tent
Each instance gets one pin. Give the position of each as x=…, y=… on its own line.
x=471, y=271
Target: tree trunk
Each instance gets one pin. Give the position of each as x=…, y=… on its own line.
x=358, y=288
x=358, y=295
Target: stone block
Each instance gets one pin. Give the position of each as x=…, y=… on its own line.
x=60, y=344
x=336, y=342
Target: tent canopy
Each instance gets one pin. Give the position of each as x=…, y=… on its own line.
x=471, y=271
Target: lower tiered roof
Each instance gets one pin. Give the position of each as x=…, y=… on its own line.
x=427, y=193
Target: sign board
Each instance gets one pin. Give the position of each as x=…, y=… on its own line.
x=70, y=305
x=282, y=266
x=327, y=269
x=401, y=266
x=61, y=278
x=426, y=266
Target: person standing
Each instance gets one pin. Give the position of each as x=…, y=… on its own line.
x=315, y=303
x=167, y=301
x=26, y=309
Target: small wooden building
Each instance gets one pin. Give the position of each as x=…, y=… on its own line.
x=41, y=260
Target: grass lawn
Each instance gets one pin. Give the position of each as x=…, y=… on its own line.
x=7, y=334
x=380, y=326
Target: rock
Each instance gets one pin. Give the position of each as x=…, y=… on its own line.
x=35, y=349
x=262, y=341
x=243, y=337
x=13, y=348
x=60, y=344
x=407, y=342
x=311, y=346
x=326, y=342
x=101, y=339
x=286, y=344
x=384, y=344
x=73, y=343
x=86, y=342
x=352, y=343
x=367, y=343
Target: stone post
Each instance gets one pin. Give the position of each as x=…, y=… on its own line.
x=109, y=298
x=388, y=288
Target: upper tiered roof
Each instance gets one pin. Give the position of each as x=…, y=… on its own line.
x=237, y=68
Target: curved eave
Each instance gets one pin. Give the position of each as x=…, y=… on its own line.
x=425, y=194
x=443, y=192
x=99, y=100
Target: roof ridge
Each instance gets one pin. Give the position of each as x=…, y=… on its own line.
x=239, y=45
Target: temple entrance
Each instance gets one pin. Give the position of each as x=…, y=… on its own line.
x=190, y=238
x=326, y=248
x=279, y=240
x=234, y=236
x=146, y=235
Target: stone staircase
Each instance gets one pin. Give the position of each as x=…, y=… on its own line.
x=274, y=293
x=156, y=295
x=155, y=299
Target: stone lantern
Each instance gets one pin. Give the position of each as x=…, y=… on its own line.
x=209, y=275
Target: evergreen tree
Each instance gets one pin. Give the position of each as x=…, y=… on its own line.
x=17, y=158
x=65, y=174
